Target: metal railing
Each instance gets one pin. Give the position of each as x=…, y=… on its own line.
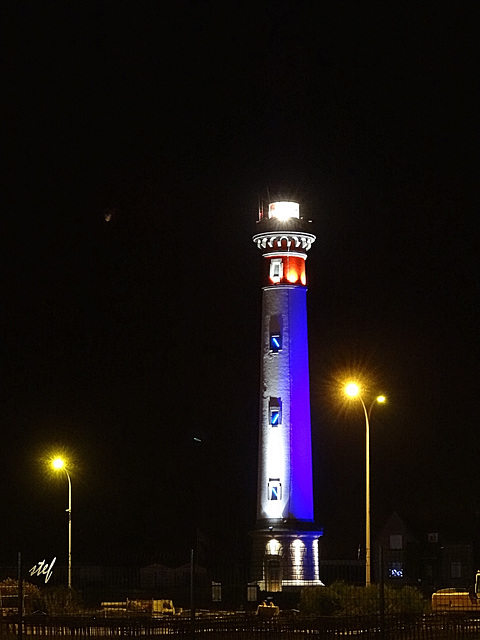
x=248, y=626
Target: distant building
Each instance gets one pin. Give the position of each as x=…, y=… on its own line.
x=426, y=559
x=446, y=564
x=398, y=554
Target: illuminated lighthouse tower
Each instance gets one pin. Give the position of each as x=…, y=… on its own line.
x=285, y=540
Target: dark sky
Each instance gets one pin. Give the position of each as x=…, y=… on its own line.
x=139, y=140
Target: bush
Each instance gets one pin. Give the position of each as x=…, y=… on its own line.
x=61, y=600
x=356, y=601
x=404, y=600
x=321, y=601
x=343, y=599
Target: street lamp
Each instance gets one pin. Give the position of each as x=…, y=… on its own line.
x=353, y=390
x=59, y=465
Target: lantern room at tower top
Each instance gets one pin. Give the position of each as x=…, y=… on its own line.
x=284, y=240
x=283, y=210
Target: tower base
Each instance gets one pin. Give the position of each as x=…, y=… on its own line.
x=285, y=555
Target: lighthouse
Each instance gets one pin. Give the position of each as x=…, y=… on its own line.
x=285, y=539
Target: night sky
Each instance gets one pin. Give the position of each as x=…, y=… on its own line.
x=138, y=142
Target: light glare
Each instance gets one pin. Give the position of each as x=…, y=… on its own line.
x=292, y=276
x=352, y=389
x=58, y=463
x=283, y=210
x=381, y=399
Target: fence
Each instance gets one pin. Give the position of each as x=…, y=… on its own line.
x=246, y=627
x=220, y=602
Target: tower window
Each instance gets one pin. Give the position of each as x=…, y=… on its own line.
x=275, y=342
x=274, y=416
x=276, y=269
x=275, y=407
x=274, y=489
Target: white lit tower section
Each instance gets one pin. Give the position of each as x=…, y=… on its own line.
x=285, y=537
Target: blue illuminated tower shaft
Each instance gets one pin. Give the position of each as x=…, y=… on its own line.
x=285, y=455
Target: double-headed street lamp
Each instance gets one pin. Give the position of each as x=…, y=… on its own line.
x=353, y=390
x=60, y=464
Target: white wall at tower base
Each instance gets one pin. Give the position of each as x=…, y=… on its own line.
x=286, y=558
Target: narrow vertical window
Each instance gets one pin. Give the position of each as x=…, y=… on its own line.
x=274, y=416
x=274, y=489
x=275, y=342
x=276, y=269
x=275, y=409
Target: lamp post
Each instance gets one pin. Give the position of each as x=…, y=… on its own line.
x=353, y=390
x=59, y=464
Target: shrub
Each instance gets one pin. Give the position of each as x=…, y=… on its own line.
x=356, y=601
x=60, y=600
x=343, y=599
x=321, y=601
x=404, y=600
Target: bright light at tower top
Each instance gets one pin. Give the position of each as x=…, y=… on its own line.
x=284, y=210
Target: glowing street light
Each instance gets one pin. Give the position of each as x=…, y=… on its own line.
x=352, y=389
x=59, y=464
